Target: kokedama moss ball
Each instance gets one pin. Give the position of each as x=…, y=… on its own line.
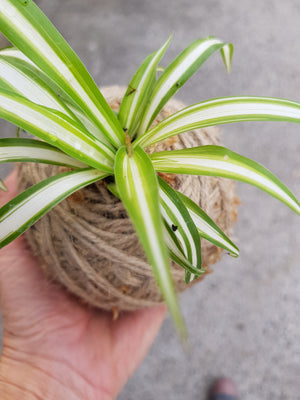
x=88, y=244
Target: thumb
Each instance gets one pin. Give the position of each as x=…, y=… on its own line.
x=11, y=183
x=19, y=270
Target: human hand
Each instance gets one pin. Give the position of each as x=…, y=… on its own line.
x=53, y=346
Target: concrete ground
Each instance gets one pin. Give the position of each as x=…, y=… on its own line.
x=243, y=320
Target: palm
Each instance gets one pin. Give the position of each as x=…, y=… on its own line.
x=43, y=322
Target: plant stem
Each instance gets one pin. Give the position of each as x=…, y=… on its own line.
x=128, y=145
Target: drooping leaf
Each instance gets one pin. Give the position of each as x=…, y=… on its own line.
x=176, y=254
x=172, y=226
x=179, y=220
x=207, y=228
x=138, y=188
x=25, y=209
x=222, y=111
x=179, y=71
x=219, y=161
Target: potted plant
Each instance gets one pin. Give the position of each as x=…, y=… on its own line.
x=116, y=149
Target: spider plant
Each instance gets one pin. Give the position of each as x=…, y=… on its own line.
x=46, y=90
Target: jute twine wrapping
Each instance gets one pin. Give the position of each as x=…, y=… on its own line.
x=88, y=244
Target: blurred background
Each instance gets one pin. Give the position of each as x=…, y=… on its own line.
x=243, y=319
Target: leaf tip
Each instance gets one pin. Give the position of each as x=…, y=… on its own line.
x=227, y=53
x=2, y=186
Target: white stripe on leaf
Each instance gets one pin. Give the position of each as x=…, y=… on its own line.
x=55, y=129
x=176, y=253
x=179, y=71
x=176, y=214
x=26, y=84
x=20, y=213
x=28, y=28
x=25, y=150
x=219, y=161
x=222, y=111
x=139, y=90
x=138, y=188
x=207, y=228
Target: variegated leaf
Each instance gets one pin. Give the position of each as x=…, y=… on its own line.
x=29, y=150
x=29, y=29
x=56, y=129
x=139, y=91
x=222, y=111
x=177, y=255
x=25, y=209
x=207, y=228
x=179, y=71
x=219, y=161
x=179, y=220
x=138, y=188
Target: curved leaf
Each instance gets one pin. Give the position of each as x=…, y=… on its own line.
x=29, y=85
x=138, y=188
x=20, y=62
x=219, y=161
x=223, y=110
x=15, y=56
x=29, y=150
x=29, y=29
x=176, y=254
x=179, y=220
x=207, y=228
x=179, y=71
x=25, y=209
x=139, y=90
x=55, y=129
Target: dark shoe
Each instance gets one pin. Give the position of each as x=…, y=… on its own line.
x=223, y=389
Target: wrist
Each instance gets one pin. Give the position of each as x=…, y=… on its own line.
x=30, y=378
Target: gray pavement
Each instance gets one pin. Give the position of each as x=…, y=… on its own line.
x=243, y=320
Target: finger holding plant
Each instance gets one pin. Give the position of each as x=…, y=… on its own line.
x=46, y=90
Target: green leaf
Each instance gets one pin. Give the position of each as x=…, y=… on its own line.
x=207, y=228
x=222, y=111
x=219, y=161
x=29, y=150
x=29, y=29
x=139, y=90
x=112, y=187
x=55, y=129
x=88, y=124
x=138, y=188
x=31, y=76
x=179, y=71
x=16, y=57
x=25, y=209
x=179, y=220
x=26, y=83
x=176, y=254
x=12, y=51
